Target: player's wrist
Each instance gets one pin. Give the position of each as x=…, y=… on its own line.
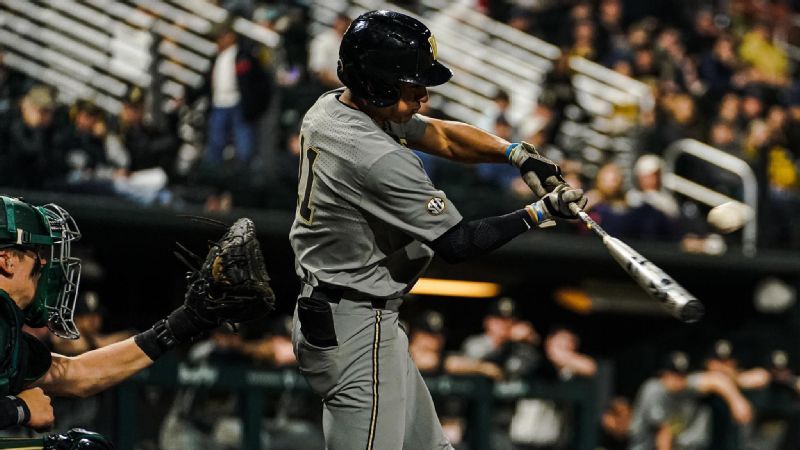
x=181, y=326
x=509, y=149
x=13, y=411
x=539, y=214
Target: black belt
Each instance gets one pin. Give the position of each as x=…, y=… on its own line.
x=334, y=294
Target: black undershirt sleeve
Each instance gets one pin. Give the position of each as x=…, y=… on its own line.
x=475, y=238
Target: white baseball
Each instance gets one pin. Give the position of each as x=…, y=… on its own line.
x=729, y=216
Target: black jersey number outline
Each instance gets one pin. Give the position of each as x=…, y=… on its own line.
x=305, y=209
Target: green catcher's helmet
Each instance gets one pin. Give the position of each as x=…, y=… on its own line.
x=49, y=230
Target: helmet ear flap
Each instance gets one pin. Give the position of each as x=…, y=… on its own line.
x=374, y=90
x=341, y=73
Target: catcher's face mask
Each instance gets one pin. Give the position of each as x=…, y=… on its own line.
x=49, y=231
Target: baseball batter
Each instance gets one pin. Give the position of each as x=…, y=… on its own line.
x=369, y=220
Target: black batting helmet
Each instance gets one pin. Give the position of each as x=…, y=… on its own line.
x=381, y=49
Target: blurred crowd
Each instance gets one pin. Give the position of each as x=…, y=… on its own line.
x=720, y=73
x=716, y=72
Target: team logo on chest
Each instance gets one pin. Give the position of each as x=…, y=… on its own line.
x=436, y=206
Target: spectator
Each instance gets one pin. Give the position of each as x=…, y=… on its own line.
x=721, y=360
x=642, y=219
x=207, y=419
x=426, y=346
x=607, y=198
x=793, y=126
x=35, y=156
x=426, y=343
x=703, y=34
x=85, y=143
x=583, y=40
x=501, y=101
x=769, y=62
x=610, y=35
x=507, y=343
x=323, y=55
x=146, y=144
x=681, y=119
x=649, y=190
x=723, y=136
x=13, y=85
x=579, y=12
x=561, y=349
x=752, y=106
x=729, y=108
x=616, y=423
x=239, y=88
x=539, y=423
x=274, y=18
x=667, y=412
x=499, y=175
x=718, y=67
x=644, y=64
x=678, y=71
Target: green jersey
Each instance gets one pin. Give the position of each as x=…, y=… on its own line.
x=25, y=359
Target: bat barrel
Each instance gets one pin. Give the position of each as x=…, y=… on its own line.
x=678, y=301
x=692, y=311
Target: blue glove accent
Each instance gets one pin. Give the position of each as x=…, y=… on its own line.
x=509, y=148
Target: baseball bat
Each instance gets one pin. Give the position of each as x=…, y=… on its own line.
x=677, y=300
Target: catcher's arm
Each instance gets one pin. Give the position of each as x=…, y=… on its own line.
x=231, y=286
x=93, y=371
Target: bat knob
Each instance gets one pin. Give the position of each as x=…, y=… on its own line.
x=692, y=311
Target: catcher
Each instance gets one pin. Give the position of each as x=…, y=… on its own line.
x=39, y=285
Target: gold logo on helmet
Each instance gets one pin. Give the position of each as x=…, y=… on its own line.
x=432, y=41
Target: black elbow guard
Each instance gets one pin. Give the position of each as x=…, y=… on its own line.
x=478, y=237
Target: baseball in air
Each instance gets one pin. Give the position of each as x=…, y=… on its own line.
x=729, y=216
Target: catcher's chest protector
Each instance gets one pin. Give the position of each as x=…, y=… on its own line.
x=24, y=358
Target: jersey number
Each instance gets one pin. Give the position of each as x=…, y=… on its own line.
x=306, y=211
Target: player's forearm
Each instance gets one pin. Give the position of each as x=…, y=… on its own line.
x=462, y=142
x=94, y=371
x=663, y=439
x=717, y=383
x=579, y=364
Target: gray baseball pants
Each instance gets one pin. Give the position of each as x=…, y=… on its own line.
x=373, y=395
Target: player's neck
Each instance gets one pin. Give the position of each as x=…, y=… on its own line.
x=347, y=99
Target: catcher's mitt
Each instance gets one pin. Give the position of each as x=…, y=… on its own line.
x=232, y=284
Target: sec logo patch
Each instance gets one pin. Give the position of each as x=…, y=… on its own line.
x=436, y=206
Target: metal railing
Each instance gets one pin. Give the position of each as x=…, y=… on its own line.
x=708, y=196
x=254, y=384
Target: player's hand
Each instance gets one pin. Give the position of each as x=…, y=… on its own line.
x=523, y=331
x=556, y=205
x=41, y=410
x=540, y=174
x=741, y=411
x=77, y=439
x=491, y=370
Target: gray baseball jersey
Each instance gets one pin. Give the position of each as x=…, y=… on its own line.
x=682, y=411
x=365, y=204
x=365, y=210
